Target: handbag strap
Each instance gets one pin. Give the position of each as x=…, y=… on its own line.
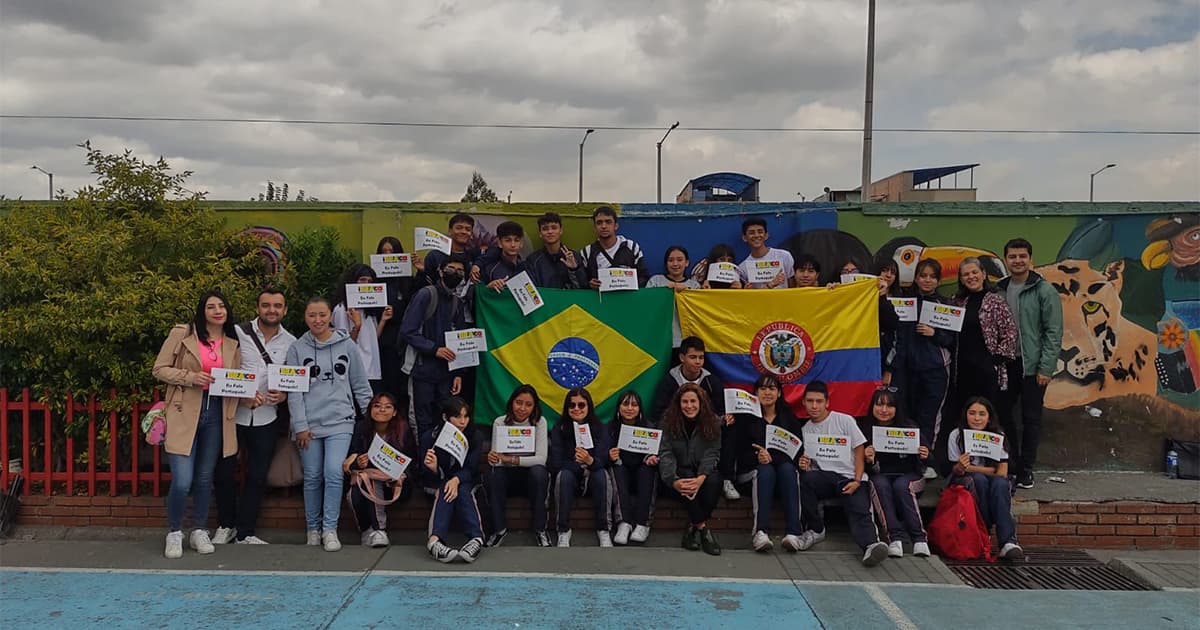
x=248, y=328
x=365, y=479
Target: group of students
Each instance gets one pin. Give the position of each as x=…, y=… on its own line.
x=391, y=366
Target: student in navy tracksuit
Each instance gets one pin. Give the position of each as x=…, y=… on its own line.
x=897, y=478
x=987, y=479
x=922, y=364
x=579, y=470
x=770, y=471
x=632, y=471
x=455, y=486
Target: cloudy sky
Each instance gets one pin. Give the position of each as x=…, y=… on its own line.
x=1036, y=64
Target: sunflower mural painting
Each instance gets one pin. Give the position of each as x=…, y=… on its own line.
x=1174, y=247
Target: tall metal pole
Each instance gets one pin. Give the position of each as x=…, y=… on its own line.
x=585, y=137
x=48, y=174
x=868, y=106
x=660, y=143
x=1092, y=183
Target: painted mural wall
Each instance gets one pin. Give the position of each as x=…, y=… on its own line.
x=1129, y=279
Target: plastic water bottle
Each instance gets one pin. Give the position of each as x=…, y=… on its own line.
x=1172, y=465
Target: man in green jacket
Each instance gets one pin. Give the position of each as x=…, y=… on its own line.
x=1038, y=310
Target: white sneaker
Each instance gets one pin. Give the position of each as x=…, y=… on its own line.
x=875, y=554
x=622, y=535
x=174, y=545
x=379, y=538
x=921, y=549
x=200, y=541
x=252, y=540
x=564, y=538
x=640, y=534
x=730, y=491
x=1012, y=551
x=930, y=473
x=224, y=535
x=314, y=538
x=810, y=538
x=604, y=537
x=791, y=542
x=330, y=541
x=896, y=549
x=365, y=538
x=761, y=541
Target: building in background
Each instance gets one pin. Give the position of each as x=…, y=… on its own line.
x=922, y=184
x=719, y=187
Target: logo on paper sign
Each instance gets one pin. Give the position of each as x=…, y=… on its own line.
x=471, y=334
x=367, y=288
x=944, y=310
x=779, y=433
x=901, y=433
x=649, y=434
x=624, y=273
x=520, y=432
x=240, y=376
x=573, y=362
x=983, y=437
x=829, y=439
x=293, y=371
x=783, y=349
x=533, y=294
x=460, y=438
x=766, y=264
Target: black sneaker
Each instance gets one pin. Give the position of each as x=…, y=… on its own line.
x=543, y=539
x=442, y=552
x=470, y=551
x=1025, y=481
x=496, y=539
x=691, y=539
x=708, y=542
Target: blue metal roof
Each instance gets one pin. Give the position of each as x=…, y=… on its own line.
x=736, y=183
x=923, y=175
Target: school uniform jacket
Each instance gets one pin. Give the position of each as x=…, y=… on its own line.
x=753, y=430
x=562, y=448
x=448, y=466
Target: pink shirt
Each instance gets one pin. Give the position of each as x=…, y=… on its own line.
x=210, y=357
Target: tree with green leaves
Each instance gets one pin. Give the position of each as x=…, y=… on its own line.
x=478, y=190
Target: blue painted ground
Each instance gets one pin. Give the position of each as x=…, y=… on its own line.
x=126, y=599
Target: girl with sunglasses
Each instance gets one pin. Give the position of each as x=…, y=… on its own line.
x=578, y=468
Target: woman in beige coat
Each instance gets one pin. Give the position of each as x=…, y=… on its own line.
x=198, y=425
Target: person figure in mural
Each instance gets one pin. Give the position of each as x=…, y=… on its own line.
x=1174, y=247
x=1038, y=311
x=807, y=271
x=986, y=344
x=691, y=370
x=554, y=266
x=611, y=250
x=719, y=253
x=754, y=233
x=261, y=341
x=433, y=311
x=508, y=262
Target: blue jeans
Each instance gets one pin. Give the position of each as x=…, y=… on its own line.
x=193, y=473
x=994, y=498
x=782, y=480
x=322, y=462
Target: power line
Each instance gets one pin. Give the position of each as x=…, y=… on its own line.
x=559, y=127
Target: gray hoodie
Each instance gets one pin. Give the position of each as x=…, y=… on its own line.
x=337, y=378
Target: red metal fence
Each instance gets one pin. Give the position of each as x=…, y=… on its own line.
x=50, y=456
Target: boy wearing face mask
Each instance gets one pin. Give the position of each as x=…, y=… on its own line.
x=432, y=312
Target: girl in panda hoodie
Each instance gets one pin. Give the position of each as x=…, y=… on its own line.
x=323, y=417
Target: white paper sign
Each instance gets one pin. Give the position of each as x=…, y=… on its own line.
x=391, y=461
x=583, y=436
x=741, y=401
x=723, y=272
x=234, y=383
x=906, y=308
x=466, y=340
x=848, y=278
x=288, y=378
x=516, y=440
x=942, y=316
x=453, y=442
x=639, y=439
x=984, y=444
x=425, y=238
x=783, y=441
x=525, y=293
x=392, y=265
x=370, y=295
x=463, y=360
x=832, y=449
x=896, y=440
x=764, y=270
x=618, y=279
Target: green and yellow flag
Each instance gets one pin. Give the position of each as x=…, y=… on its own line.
x=608, y=344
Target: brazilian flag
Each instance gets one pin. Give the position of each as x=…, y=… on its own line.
x=607, y=343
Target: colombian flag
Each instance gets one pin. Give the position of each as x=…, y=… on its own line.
x=606, y=343
x=800, y=335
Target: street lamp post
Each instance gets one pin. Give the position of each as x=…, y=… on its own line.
x=1092, y=184
x=585, y=137
x=660, y=143
x=868, y=104
x=48, y=174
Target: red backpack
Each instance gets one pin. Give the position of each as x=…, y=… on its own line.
x=957, y=530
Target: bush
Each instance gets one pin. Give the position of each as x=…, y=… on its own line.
x=314, y=261
x=92, y=284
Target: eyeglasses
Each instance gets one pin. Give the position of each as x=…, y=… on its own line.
x=577, y=405
x=886, y=388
